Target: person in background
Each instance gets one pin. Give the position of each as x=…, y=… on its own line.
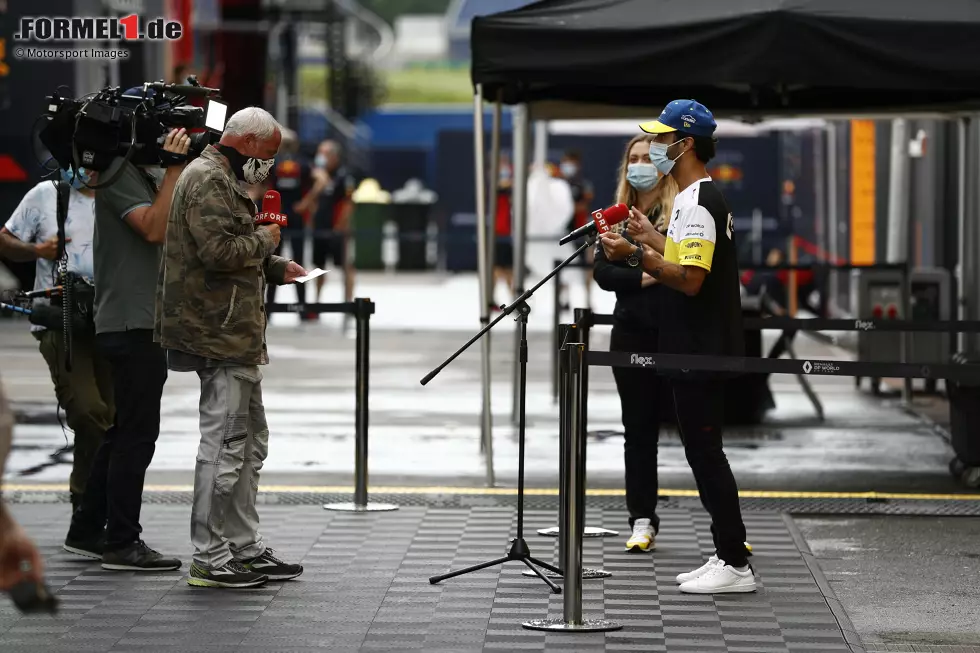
x=85, y=392
x=503, y=247
x=697, y=265
x=329, y=200
x=292, y=178
x=636, y=328
x=583, y=195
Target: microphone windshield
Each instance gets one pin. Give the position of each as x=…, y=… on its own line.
x=271, y=210
x=272, y=202
x=608, y=217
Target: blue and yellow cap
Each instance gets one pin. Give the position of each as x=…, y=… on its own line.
x=685, y=116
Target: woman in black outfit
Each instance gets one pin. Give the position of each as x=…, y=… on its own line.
x=635, y=329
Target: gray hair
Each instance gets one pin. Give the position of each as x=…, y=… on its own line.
x=255, y=121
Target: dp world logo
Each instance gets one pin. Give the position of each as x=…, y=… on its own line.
x=807, y=367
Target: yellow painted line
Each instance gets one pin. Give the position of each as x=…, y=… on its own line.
x=509, y=491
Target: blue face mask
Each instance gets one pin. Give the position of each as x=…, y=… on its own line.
x=320, y=161
x=77, y=181
x=642, y=176
x=659, y=158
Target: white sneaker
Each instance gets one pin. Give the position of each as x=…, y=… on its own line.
x=700, y=571
x=642, y=538
x=721, y=579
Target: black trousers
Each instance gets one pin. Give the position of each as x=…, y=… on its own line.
x=700, y=407
x=114, y=494
x=641, y=396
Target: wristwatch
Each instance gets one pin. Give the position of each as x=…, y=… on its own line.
x=634, y=259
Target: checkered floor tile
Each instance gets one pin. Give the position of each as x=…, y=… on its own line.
x=366, y=588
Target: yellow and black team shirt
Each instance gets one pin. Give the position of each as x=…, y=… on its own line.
x=702, y=234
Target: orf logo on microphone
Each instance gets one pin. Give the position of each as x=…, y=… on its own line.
x=602, y=226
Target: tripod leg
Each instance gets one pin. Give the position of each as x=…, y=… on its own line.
x=554, y=588
x=483, y=565
x=545, y=565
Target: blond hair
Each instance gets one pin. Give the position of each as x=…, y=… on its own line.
x=664, y=192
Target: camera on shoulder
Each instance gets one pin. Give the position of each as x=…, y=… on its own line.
x=93, y=131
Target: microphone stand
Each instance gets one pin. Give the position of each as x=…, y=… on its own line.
x=519, y=550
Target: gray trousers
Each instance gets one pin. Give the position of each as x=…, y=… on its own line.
x=234, y=444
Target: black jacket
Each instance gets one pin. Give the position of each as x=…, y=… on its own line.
x=637, y=308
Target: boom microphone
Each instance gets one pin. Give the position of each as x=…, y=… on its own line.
x=602, y=220
x=271, y=210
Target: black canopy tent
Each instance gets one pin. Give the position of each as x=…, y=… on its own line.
x=738, y=57
x=746, y=59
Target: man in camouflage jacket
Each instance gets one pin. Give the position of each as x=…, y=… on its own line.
x=211, y=319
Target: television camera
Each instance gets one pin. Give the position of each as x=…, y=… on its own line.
x=94, y=130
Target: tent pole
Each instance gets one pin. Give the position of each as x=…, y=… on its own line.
x=899, y=243
x=521, y=136
x=486, y=424
x=494, y=192
x=832, y=217
x=961, y=138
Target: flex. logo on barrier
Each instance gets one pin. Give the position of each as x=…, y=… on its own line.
x=645, y=361
x=864, y=325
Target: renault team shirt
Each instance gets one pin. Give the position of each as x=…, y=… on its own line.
x=701, y=234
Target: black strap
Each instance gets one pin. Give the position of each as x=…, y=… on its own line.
x=63, y=189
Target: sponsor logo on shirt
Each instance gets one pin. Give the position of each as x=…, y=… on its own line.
x=696, y=226
x=692, y=257
x=694, y=244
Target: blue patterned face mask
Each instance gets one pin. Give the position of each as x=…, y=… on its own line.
x=78, y=180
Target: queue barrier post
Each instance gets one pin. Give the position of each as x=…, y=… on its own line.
x=557, y=337
x=569, y=333
x=573, y=366
x=362, y=310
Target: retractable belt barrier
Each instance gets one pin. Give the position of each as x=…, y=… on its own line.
x=786, y=324
x=572, y=499
x=361, y=309
x=348, y=308
x=825, y=324
x=969, y=374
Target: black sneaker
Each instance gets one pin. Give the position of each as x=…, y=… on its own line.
x=88, y=547
x=138, y=557
x=233, y=574
x=273, y=567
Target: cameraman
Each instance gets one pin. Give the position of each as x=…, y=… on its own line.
x=130, y=226
x=85, y=392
